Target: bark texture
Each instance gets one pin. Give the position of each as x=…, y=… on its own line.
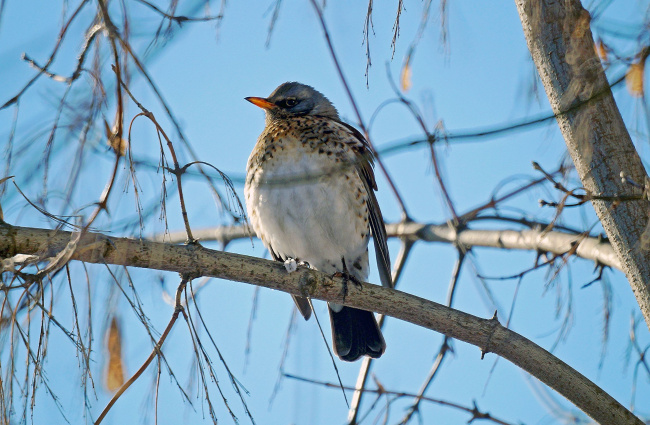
x=193, y=261
x=560, y=41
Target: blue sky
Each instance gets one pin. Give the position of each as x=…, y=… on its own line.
x=481, y=78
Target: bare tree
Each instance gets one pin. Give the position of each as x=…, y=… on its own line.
x=57, y=277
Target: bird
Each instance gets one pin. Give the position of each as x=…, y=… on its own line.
x=310, y=198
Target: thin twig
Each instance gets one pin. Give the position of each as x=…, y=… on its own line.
x=444, y=347
x=154, y=353
x=45, y=67
x=364, y=130
x=364, y=369
x=180, y=19
x=476, y=414
x=423, y=127
x=178, y=172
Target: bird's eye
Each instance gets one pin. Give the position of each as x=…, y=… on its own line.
x=291, y=102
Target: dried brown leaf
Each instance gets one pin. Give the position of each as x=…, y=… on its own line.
x=602, y=51
x=115, y=365
x=634, y=79
x=118, y=144
x=405, y=77
x=380, y=388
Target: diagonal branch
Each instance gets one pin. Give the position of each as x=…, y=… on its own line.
x=195, y=260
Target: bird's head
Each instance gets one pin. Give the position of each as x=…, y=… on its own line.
x=295, y=99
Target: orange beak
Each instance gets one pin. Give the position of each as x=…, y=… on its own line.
x=261, y=102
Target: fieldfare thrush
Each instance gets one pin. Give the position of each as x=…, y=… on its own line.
x=310, y=198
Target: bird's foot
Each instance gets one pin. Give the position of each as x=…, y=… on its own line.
x=347, y=277
x=290, y=265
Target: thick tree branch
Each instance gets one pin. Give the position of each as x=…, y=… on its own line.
x=560, y=41
x=591, y=248
x=194, y=260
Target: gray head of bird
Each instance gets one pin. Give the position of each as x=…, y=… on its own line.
x=295, y=99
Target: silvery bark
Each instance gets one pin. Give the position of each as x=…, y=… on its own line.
x=560, y=42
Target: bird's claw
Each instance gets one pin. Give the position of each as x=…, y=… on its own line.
x=347, y=277
x=290, y=265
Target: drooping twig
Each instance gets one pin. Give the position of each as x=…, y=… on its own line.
x=155, y=352
x=177, y=171
x=62, y=34
x=360, y=121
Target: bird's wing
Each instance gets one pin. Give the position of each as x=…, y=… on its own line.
x=365, y=160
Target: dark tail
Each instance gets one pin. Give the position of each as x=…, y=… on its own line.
x=355, y=333
x=303, y=306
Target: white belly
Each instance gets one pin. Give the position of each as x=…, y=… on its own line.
x=319, y=221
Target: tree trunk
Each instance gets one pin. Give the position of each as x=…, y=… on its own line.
x=562, y=47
